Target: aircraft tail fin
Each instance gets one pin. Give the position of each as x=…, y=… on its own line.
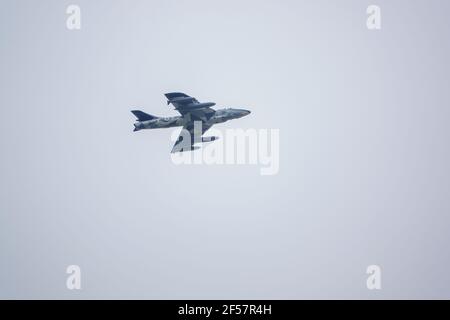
x=142, y=116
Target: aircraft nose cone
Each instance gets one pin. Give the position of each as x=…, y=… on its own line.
x=245, y=112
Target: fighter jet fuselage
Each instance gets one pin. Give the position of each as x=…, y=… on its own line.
x=191, y=111
x=219, y=116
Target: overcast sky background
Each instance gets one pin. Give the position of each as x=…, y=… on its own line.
x=364, y=151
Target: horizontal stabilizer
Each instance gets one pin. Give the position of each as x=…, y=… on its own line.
x=142, y=116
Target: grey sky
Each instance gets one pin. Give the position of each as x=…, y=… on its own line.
x=363, y=119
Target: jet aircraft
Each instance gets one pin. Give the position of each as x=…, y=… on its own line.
x=196, y=118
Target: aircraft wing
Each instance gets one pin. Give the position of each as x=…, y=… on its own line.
x=186, y=139
x=186, y=104
x=179, y=99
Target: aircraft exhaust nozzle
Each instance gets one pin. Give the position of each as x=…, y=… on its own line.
x=136, y=127
x=209, y=139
